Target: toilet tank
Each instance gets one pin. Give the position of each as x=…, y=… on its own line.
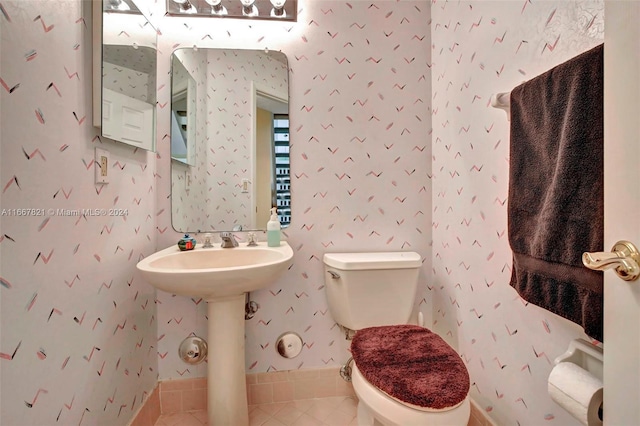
x=371, y=289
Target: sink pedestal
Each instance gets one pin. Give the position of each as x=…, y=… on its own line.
x=222, y=277
x=226, y=380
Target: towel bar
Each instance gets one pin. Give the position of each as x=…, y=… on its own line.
x=502, y=101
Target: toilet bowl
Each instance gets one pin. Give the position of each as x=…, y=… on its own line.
x=408, y=375
x=376, y=407
x=373, y=294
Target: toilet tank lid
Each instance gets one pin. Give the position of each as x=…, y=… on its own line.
x=381, y=260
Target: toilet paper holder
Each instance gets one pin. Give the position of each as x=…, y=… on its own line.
x=575, y=383
x=585, y=355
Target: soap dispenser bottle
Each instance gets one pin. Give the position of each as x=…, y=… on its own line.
x=273, y=229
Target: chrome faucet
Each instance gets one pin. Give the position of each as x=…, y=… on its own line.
x=228, y=240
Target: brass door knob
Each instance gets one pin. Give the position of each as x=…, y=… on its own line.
x=624, y=258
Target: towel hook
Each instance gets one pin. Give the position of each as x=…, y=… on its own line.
x=624, y=257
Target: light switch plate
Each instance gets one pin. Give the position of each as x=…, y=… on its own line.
x=102, y=166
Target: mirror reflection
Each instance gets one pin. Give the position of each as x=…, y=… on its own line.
x=240, y=166
x=183, y=112
x=128, y=75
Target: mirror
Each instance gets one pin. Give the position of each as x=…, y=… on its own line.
x=240, y=167
x=125, y=103
x=183, y=112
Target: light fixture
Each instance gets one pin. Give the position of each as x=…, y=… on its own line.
x=283, y=10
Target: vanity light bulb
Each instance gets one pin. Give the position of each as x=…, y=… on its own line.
x=249, y=8
x=278, y=9
x=185, y=6
x=217, y=8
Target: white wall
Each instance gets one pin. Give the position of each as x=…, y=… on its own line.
x=360, y=131
x=78, y=341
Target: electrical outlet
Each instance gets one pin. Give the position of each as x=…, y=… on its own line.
x=102, y=165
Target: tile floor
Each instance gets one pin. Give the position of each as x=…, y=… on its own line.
x=332, y=411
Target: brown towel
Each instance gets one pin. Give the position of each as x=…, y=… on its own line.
x=556, y=196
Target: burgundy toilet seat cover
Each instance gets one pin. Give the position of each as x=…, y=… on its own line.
x=411, y=364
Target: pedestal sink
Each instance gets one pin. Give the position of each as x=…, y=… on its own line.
x=222, y=277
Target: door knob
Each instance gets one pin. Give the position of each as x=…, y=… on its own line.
x=624, y=257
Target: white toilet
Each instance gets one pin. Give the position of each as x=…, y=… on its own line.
x=373, y=294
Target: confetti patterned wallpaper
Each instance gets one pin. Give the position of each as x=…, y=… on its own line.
x=360, y=129
x=127, y=81
x=480, y=48
x=78, y=341
x=374, y=86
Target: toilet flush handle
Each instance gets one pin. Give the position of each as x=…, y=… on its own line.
x=334, y=275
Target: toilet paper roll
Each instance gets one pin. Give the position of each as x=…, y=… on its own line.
x=577, y=391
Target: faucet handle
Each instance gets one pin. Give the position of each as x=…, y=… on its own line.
x=251, y=239
x=207, y=240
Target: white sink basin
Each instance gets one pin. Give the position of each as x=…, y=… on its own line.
x=215, y=272
x=222, y=277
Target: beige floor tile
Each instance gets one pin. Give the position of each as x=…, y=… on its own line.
x=306, y=420
x=273, y=422
x=333, y=401
x=349, y=406
x=333, y=411
x=338, y=418
x=201, y=416
x=272, y=408
x=302, y=404
x=319, y=411
x=288, y=414
x=258, y=417
x=322, y=407
x=194, y=421
x=179, y=419
x=168, y=419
